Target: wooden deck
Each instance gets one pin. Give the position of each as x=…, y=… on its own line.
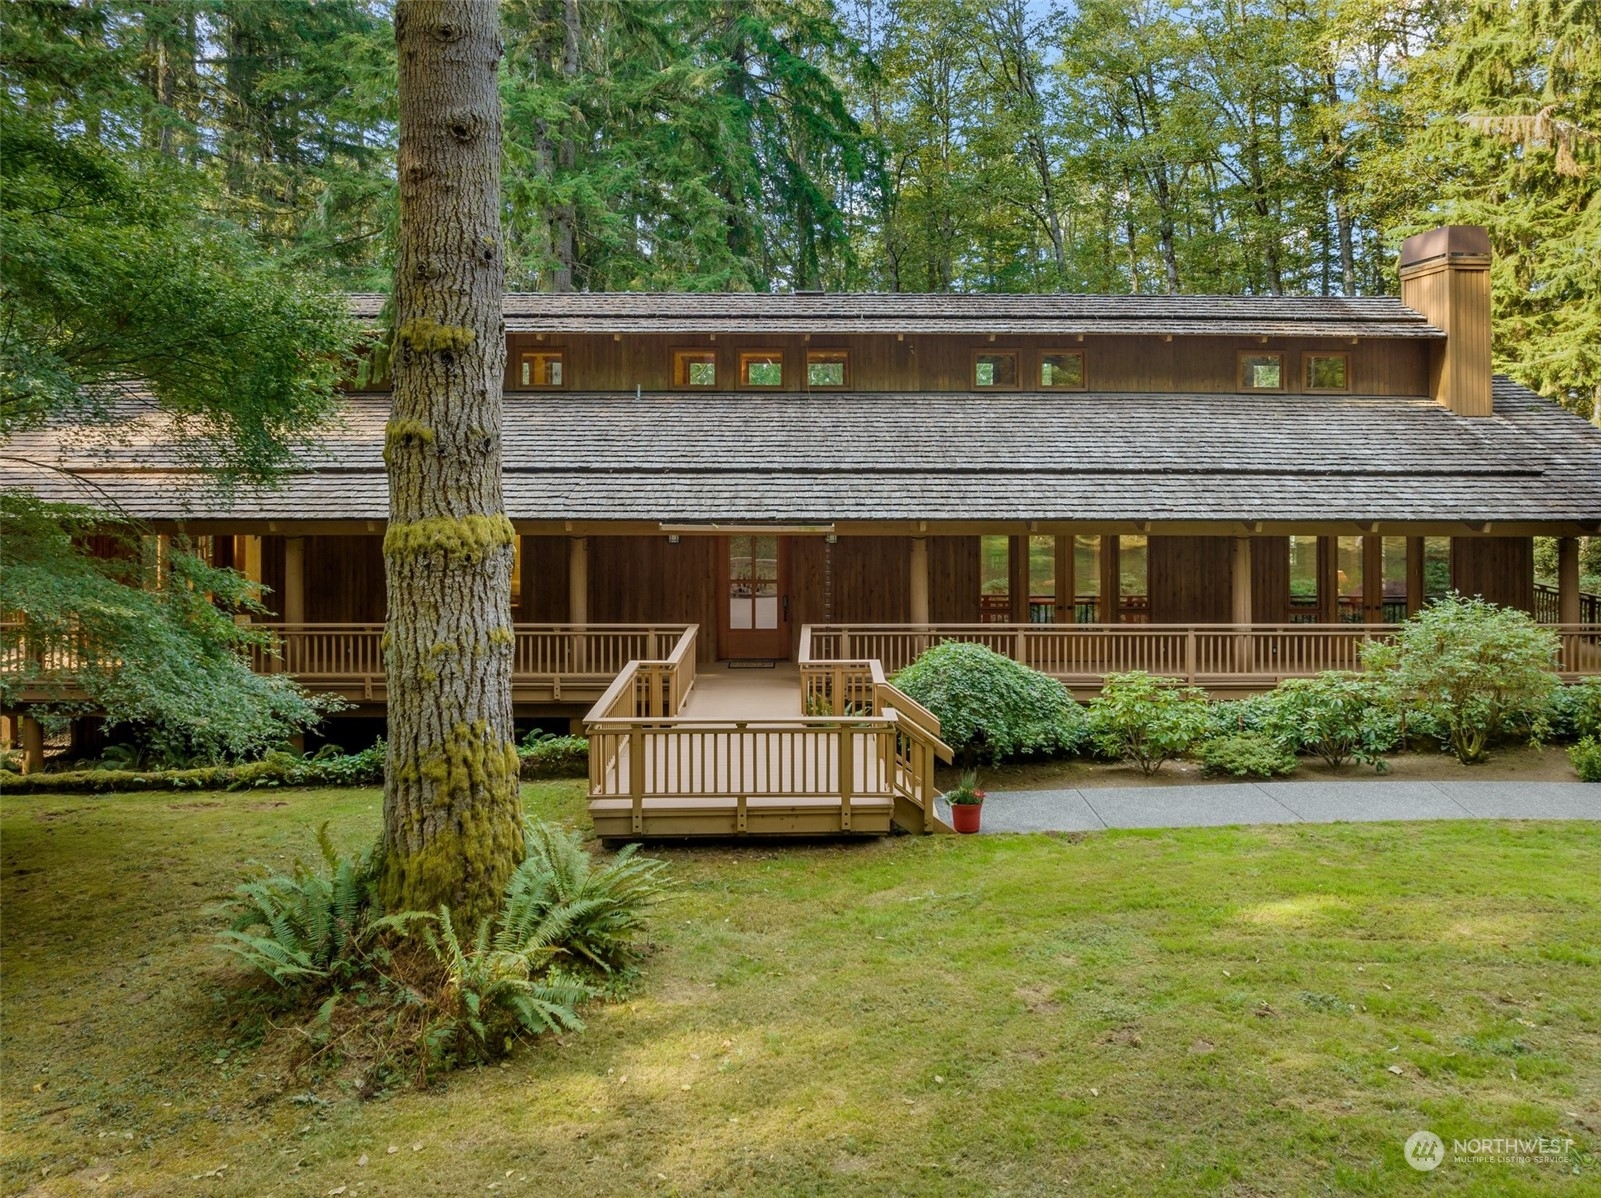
x=736, y=757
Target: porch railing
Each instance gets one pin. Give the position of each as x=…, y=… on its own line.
x=1202, y=654
x=1548, y=608
x=351, y=656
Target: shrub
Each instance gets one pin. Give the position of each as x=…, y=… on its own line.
x=1147, y=720
x=990, y=707
x=1576, y=710
x=1480, y=670
x=1586, y=759
x=1246, y=755
x=277, y=768
x=1336, y=715
x=541, y=755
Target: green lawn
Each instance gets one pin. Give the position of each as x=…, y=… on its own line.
x=1246, y=1012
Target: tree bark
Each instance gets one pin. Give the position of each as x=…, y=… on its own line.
x=452, y=817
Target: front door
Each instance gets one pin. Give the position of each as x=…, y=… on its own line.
x=755, y=597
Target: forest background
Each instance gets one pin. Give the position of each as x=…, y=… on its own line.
x=1222, y=146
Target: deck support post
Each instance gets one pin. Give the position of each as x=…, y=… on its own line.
x=1242, y=604
x=32, y=744
x=847, y=776
x=1066, y=588
x=1416, y=584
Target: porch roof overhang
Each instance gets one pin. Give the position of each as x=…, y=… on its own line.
x=911, y=462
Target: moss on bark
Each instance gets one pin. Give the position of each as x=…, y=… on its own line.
x=467, y=538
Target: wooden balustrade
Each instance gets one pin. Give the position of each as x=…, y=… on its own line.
x=1082, y=655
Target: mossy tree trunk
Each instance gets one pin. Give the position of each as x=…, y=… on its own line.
x=452, y=822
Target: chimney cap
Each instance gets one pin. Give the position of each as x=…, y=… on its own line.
x=1448, y=241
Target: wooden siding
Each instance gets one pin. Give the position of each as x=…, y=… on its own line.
x=954, y=569
x=1501, y=569
x=945, y=363
x=345, y=580
x=808, y=585
x=1189, y=579
x=872, y=580
x=544, y=598
x=272, y=575
x=1270, y=580
x=638, y=580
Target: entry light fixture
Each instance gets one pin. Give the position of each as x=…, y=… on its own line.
x=832, y=539
x=672, y=538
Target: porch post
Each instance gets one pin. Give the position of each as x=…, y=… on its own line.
x=1244, y=658
x=578, y=580
x=1328, y=580
x=1111, y=581
x=919, y=580
x=1567, y=580
x=1066, y=584
x=1372, y=580
x=1017, y=577
x=1416, y=583
x=294, y=605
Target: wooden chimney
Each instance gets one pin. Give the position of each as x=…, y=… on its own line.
x=1445, y=274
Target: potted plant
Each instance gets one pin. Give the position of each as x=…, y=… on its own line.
x=967, y=802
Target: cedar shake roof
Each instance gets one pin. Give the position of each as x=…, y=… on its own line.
x=880, y=312
x=948, y=457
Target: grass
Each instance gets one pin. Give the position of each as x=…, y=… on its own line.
x=1234, y=1011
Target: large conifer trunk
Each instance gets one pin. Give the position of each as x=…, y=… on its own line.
x=452, y=825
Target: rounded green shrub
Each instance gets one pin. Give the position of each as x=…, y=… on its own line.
x=1246, y=755
x=1146, y=720
x=1586, y=758
x=992, y=708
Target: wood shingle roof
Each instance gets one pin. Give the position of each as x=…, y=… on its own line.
x=945, y=457
x=885, y=313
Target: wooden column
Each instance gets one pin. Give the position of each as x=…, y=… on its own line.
x=1328, y=580
x=1567, y=580
x=1017, y=577
x=1241, y=579
x=919, y=580
x=1244, y=657
x=32, y=744
x=1372, y=580
x=578, y=580
x=1066, y=584
x=1416, y=582
x=294, y=596
x=1111, y=581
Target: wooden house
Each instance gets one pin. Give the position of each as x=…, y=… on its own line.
x=1227, y=489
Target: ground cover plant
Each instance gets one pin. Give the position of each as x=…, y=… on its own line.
x=990, y=707
x=1246, y=755
x=1246, y=1011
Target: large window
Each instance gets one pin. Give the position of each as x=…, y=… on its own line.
x=1303, y=580
x=1327, y=372
x=1087, y=579
x=761, y=368
x=1262, y=371
x=695, y=368
x=540, y=368
x=1133, y=561
x=994, y=579
x=827, y=368
x=1348, y=578
x=995, y=370
x=1062, y=370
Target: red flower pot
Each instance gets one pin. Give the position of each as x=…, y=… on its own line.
x=964, y=816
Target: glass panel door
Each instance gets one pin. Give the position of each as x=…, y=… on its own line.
x=756, y=616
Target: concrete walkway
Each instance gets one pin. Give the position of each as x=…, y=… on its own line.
x=1092, y=810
